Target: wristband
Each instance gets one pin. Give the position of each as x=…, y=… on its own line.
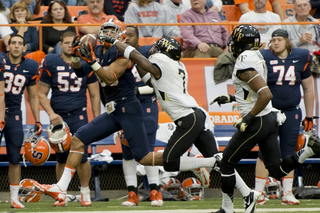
x=146, y=77
x=95, y=66
x=127, y=51
x=75, y=59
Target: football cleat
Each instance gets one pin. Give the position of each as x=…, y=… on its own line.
x=16, y=204
x=262, y=200
x=202, y=174
x=85, y=198
x=221, y=210
x=289, y=199
x=251, y=201
x=52, y=190
x=133, y=200
x=61, y=204
x=156, y=198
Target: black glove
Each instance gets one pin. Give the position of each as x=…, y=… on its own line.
x=108, y=39
x=307, y=124
x=37, y=128
x=75, y=46
x=2, y=123
x=222, y=99
x=243, y=123
x=87, y=54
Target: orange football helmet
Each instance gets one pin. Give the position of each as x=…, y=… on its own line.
x=192, y=189
x=36, y=148
x=302, y=140
x=173, y=187
x=59, y=137
x=27, y=192
x=118, y=29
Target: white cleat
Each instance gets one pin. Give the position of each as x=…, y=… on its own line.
x=289, y=199
x=16, y=204
x=85, y=197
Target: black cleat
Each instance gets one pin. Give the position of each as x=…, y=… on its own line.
x=251, y=201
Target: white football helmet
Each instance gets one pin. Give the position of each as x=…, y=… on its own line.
x=192, y=189
x=173, y=187
x=59, y=137
x=272, y=188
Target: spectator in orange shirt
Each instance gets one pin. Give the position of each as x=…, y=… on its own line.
x=95, y=16
x=247, y=5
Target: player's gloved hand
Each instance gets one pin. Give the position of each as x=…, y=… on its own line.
x=87, y=54
x=38, y=128
x=75, y=46
x=108, y=39
x=223, y=99
x=2, y=124
x=243, y=123
x=307, y=124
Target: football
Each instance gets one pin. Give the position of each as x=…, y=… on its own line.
x=89, y=38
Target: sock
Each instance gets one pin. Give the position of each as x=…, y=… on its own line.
x=84, y=190
x=227, y=203
x=260, y=183
x=130, y=172
x=287, y=184
x=14, y=190
x=189, y=163
x=66, y=177
x=304, y=153
x=152, y=174
x=242, y=186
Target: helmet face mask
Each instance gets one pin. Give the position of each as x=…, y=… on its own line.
x=59, y=137
x=167, y=46
x=37, y=148
x=174, y=188
x=272, y=188
x=115, y=27
x=244, y=37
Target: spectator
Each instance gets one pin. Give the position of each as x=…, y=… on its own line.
x=248, y=5
x=23, y=71
x=34, y=5
x=306, y=36
x=146, y=11
x=204, y=41
x=315, y=4
x=215, y=5
x=5, y=31
x=95, y=16
x=20, y=14
x=172, y=9
x=116, y=7
x=57, y=14
x=4, y=10
x=261, y=15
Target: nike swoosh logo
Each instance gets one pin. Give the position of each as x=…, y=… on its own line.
x=25, y=70
x=295, y=61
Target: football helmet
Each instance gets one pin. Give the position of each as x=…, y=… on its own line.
x=302, y=140
x=244, y=37
x=173, y=187
x=59, y=137
x=36, y=148
x=192, y=189
x=167, y=46
x=118, y=29
x=27, y=192
x=272, y=188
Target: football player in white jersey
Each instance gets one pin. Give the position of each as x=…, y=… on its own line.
x=169, y=79
x=258, y=122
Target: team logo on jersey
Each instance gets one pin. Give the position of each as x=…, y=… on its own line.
x=7, y=67
x=81, y=117
x=272, y=62
x=61, y=68
x=148, y=110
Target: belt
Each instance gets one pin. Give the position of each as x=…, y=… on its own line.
x=74, y=112
x=214, y=45
x=291, y=108
x=12, y=110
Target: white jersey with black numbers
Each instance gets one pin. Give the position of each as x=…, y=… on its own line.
x=245, y=96
x=171, y=87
